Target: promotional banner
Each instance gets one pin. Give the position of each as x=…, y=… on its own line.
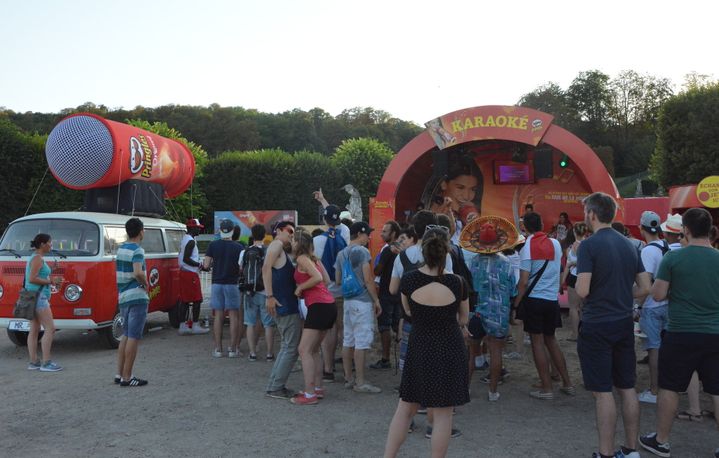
x=487, y=123
x=248, y=218
x=708, y=191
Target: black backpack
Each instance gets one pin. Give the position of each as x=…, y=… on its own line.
x=459, y=266
x=251, y=280
x=407, y=265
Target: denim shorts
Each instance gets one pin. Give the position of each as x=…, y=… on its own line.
x=255, y=305
x=652, y=322
x=225, y=297
x=134, y=317
x=389, y=318
x=43, y=302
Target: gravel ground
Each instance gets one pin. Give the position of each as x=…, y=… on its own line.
x=196, y=405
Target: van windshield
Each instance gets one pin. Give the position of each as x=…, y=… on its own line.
x=69, y=237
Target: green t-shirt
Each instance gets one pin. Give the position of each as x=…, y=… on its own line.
x=693, y=276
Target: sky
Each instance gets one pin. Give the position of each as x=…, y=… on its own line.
x=414, y=59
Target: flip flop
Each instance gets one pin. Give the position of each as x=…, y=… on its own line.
x=685, y=415
x=707, y=413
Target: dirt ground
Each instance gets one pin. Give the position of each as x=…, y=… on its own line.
x=196, y=405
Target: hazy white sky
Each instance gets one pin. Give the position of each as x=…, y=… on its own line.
x=415, y=59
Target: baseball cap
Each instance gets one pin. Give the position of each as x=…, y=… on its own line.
x=194, y=222
x=650, y=222
x=673, y=224
x=360, y=227
x=332, y=215
x=226, y=228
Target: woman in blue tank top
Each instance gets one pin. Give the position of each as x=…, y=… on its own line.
x=37, y=278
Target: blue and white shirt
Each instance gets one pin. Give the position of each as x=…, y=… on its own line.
x=128, y=287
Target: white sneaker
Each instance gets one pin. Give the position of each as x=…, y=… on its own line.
x=492, y=397
x=648, y=397
x=233, y=353
x=197, y=329
x=216, y=353
x=184, y=329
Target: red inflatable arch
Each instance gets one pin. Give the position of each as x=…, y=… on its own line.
x=522, y=157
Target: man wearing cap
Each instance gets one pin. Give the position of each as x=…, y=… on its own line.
x=493, y=279
x=360, y=310
x=327, y=247
x=653, y=313
x=281, y=301
x=672, y=229
x=222, y=256
x=190, y=290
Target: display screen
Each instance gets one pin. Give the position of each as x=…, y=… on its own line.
x=508, y=172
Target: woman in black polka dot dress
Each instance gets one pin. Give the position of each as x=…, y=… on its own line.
x=435, y=372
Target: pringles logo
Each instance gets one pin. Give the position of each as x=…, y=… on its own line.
x=141, y=156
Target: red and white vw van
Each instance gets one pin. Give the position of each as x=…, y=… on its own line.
x=84, y=249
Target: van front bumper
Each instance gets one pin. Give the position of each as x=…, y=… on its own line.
x=83, y=324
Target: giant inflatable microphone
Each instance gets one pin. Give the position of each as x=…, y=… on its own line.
x=85, y=151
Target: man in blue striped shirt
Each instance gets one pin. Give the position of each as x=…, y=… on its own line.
x=132, y=300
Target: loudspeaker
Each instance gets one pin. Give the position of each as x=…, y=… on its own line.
x=543, y=167
x=135, y=197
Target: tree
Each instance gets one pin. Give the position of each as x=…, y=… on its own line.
x=550, y=98
x=361, y=162
x=688, y=138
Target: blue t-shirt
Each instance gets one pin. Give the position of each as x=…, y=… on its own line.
x=614, y=264
x=225, y=256
x=547, y=287
x=128, y=287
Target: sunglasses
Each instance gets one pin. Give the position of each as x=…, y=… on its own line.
x=444, y=229
x=289, y=230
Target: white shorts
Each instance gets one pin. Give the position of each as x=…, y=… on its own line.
x=358, y=324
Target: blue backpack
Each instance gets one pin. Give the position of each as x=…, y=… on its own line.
x=351, y=287
x=335, y=243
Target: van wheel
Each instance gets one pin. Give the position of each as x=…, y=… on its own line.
x=111, y=335
x=176, y=314
x=19, y=338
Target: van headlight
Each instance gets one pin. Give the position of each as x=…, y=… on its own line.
x=73, y=293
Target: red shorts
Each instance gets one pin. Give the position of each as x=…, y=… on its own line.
x=190, y=289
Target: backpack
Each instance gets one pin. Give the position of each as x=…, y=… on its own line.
x=334, y=244
x=407, y=265
x=351, y=286
x=251, y=280
x=664, y=246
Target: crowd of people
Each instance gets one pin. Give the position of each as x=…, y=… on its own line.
x=450, y=299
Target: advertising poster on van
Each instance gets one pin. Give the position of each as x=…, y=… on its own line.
x=245, y=219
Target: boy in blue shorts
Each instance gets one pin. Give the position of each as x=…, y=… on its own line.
x=132, y=300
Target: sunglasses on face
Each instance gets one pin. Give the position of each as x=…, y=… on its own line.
x=290, y=231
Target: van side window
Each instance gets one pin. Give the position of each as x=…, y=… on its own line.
x=152, y=242
x=114, y=237
x=174, y=240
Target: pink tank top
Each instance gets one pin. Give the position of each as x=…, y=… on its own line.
x=318, y=293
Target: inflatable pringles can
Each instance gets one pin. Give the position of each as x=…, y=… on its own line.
x=86, y=151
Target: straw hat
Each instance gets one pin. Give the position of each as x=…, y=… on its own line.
x=673, y=224
x=488, y=234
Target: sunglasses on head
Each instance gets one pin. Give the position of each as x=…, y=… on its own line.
x=444, y=229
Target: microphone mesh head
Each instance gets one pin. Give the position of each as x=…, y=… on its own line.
x=79, y=151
